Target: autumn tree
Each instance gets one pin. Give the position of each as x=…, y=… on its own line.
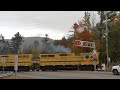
x=83, y=32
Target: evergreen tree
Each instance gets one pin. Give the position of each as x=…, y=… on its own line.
x=16, y=41
x=36, y=50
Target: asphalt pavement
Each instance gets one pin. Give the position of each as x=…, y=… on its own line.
x=69, y=75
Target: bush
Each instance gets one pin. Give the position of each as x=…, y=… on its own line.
x=115, y=63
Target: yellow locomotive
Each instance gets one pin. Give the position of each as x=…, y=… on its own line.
x=83, y=61
x=24, y=62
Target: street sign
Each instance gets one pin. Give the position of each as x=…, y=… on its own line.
x=95, y=54
x=3, y=60
x=109, y=59
x=89, y=45
x=16, y=63
x=84, y=43
x=94, y=51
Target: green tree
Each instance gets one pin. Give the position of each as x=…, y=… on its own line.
x=62, y=41
x=114, y=39
x=113, y=35
x=36, y=50
x=28, y=50
x=87, y=20
x=57, y=42
x=16, y=41
x=4, y=45
x=46, y=39
x=46, y=44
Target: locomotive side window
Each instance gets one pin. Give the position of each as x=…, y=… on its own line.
x=86, y=56
x=63, y=54
x=43, y=55
x=50, y=55
x=19, y=56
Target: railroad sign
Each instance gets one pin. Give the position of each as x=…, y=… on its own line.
x=89, y=45
x=95, y=54
x=109, y=59
x=3, y=60
x=84, y=43
x=94, y=51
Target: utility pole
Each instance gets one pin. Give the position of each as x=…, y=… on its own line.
x=107, y=43
x=94, y=52
x=16, y=63
x=94, y=46
x=101, y=32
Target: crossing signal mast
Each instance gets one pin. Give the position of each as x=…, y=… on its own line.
x=88, y=44
x=83, y=30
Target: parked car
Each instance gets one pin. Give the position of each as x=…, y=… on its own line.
x=116, y=69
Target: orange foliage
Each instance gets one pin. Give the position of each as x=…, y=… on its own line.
x=116, y=19
x=85, y=35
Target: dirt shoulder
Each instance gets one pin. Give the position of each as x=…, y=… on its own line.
x=18, y=77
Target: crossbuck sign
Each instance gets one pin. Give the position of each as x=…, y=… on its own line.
x=90, y=45
x=84, y=44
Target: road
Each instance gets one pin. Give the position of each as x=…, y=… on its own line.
x=69, y=75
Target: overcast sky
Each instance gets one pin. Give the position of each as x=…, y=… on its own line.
x=38, y=23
